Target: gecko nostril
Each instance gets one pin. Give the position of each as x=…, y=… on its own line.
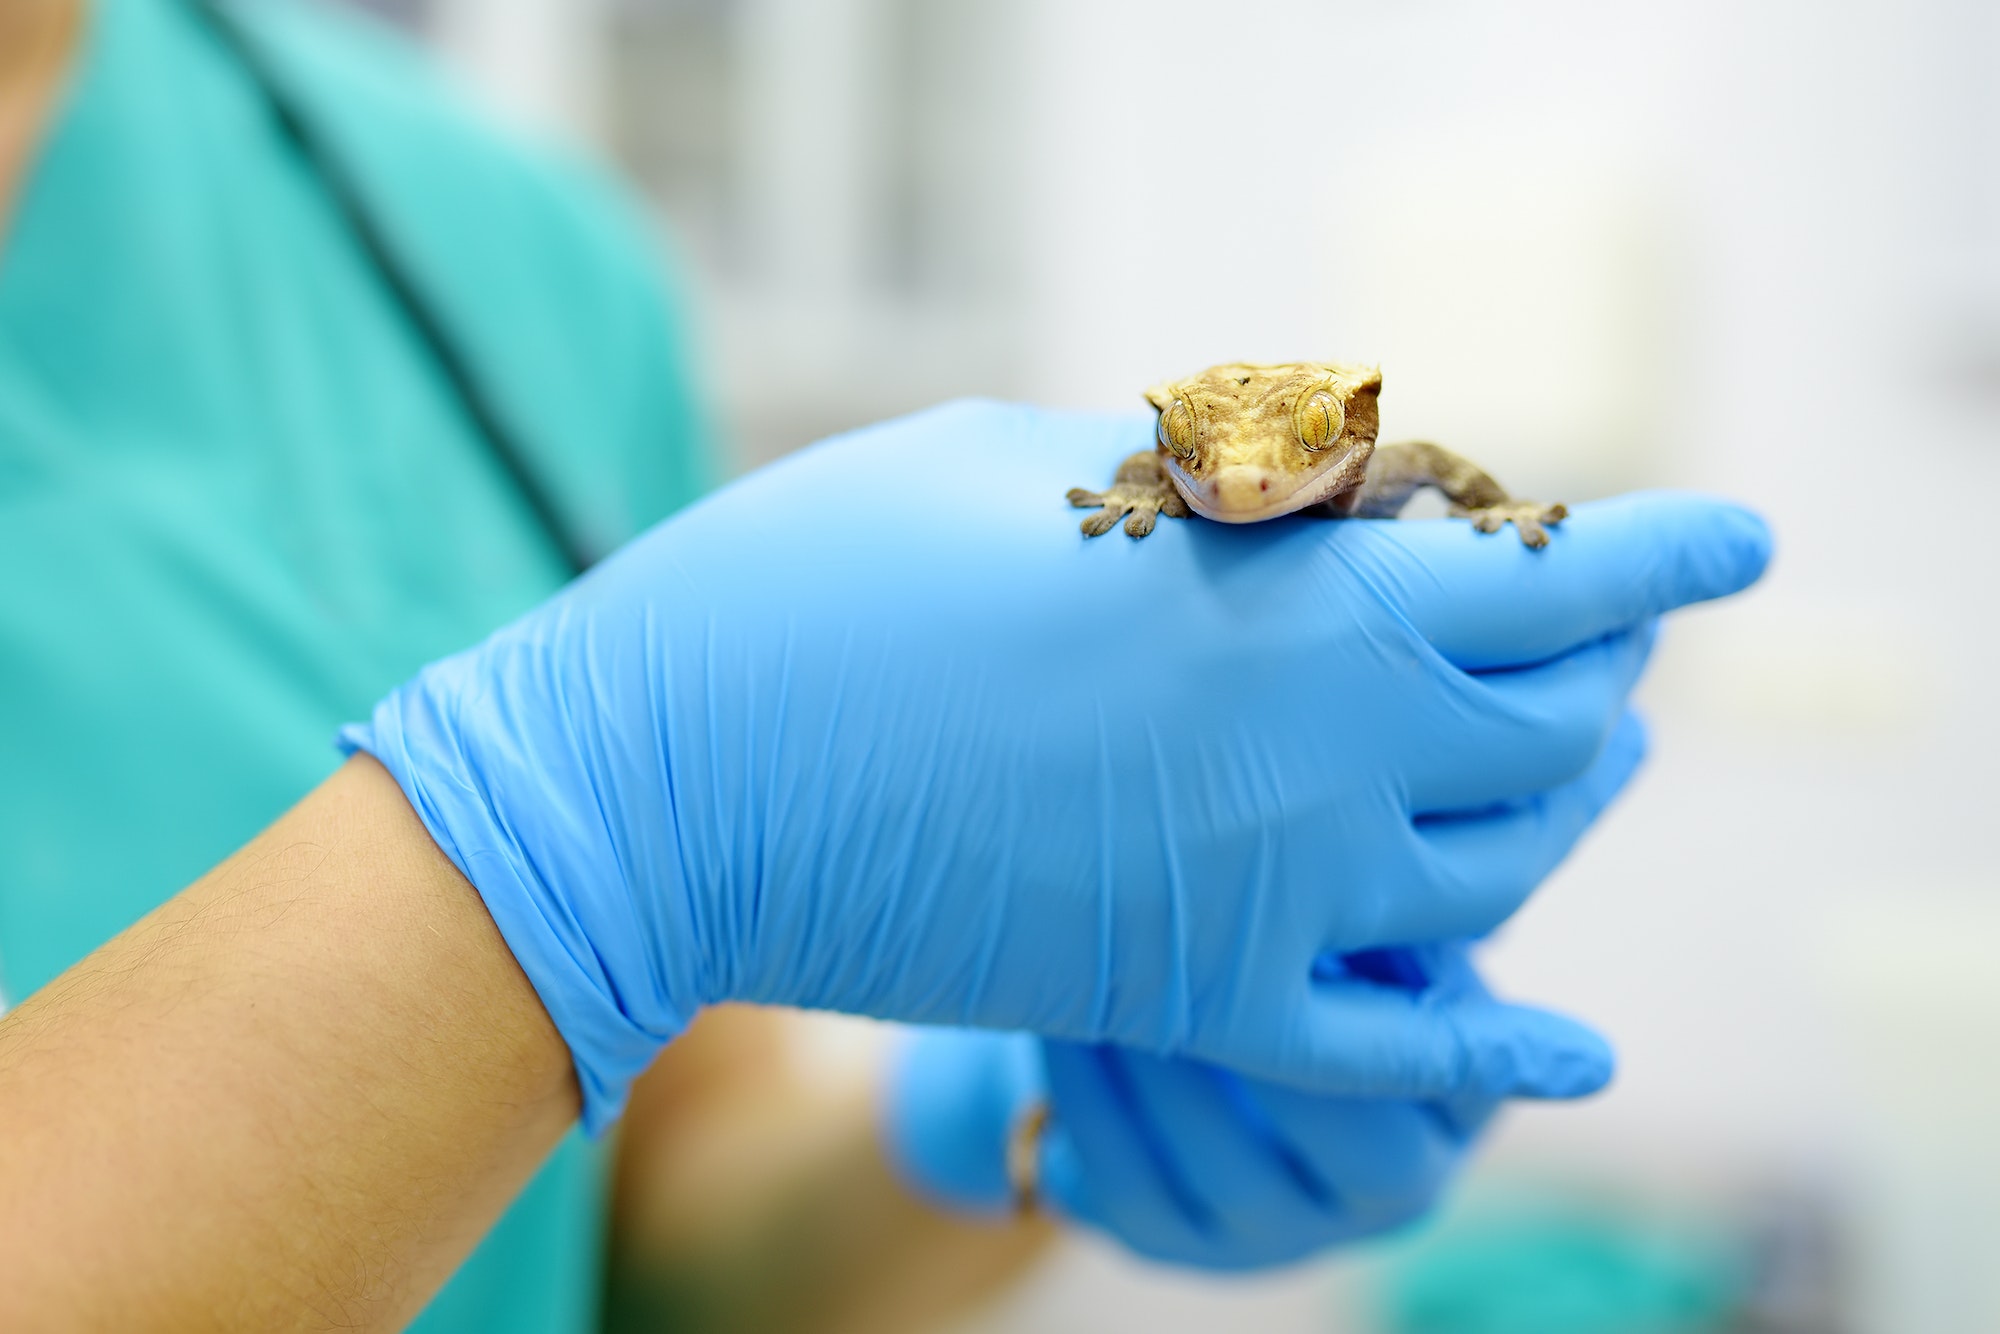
x=1264, y=484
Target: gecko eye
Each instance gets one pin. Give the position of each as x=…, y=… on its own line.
x=1319, y=420
x=1177, y=429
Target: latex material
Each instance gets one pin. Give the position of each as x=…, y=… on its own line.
x=876, y=730
x=1178, y=1160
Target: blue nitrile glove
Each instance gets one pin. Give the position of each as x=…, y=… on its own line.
x=1179, y=1160
x=876, y=729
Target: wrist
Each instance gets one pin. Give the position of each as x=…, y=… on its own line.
x=515, y=805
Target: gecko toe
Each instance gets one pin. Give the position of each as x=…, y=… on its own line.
x=1527, y=516
x=1140, y=496
x=1100, y=523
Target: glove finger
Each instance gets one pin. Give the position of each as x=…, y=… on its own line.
x=1381, y=1162
x=1101, y=1164
x=1517, y=733
x=1358, y=1038
x=1477, y=869
x=1244, y=1182
x=1488, y=601
x=1442, y=968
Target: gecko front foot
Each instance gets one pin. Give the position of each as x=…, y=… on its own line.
x=1141, y=491
x=1527, y=516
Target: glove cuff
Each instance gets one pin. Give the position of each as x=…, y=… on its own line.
x=538, y=867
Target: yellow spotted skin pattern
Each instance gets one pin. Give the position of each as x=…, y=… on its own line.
x=1244, y=442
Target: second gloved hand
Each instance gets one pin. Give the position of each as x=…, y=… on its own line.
x=876, y=730
x=1178, y=1160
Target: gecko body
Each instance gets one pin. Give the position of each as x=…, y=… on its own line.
x=1242, y=442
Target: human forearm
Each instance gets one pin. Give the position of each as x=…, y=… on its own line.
x=292, y=1097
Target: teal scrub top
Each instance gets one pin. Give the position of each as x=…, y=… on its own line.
x=238, y=502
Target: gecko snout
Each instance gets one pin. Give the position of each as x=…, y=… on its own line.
x=1241, y=486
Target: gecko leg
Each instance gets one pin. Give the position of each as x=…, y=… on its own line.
x=1397, y=472
x=1141, y=491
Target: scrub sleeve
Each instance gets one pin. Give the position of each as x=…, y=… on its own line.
x=238, y=503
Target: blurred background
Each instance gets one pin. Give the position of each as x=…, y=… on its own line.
x=1749, y=248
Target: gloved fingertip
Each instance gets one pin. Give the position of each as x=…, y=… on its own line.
x=1624, y=751
x=1633, y=735
x=1578, y=1073
x=1681, y=547
x=1572, y=1062
x=1751, y=540
x=1516, y=1051
x=1728, y=552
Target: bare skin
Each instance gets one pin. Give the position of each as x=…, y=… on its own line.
x=37, y=38
x=292, y=1097
x=1240, y=443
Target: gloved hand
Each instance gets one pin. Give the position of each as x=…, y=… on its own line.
x=876, y=730
x=1180, y=1161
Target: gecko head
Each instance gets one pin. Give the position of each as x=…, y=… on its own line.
x=1248, y=442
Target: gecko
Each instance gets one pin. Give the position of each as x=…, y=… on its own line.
x=1240, y=443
